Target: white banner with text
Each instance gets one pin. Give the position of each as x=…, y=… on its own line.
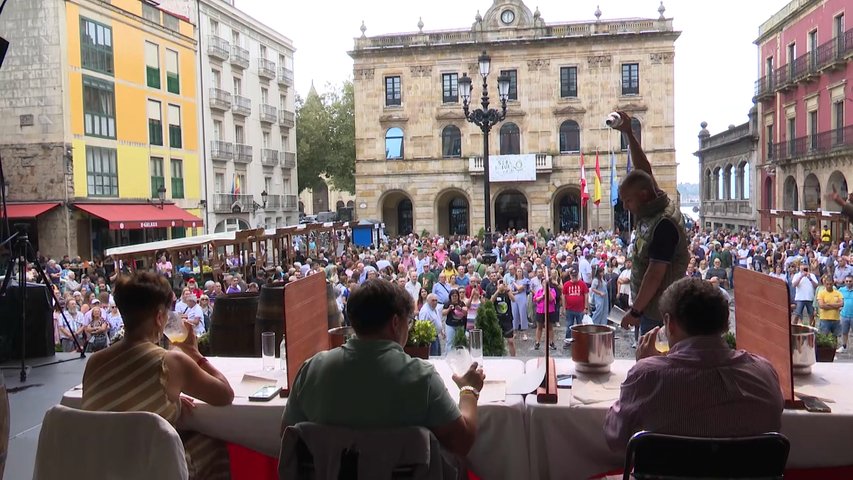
x=512, y=168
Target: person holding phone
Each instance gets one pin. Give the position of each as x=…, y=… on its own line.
x=502, y=299
x=804, y=283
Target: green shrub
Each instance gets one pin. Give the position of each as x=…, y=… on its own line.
x=826, y=340
x=487, y=321
x=421, y=334
x=729, y=337
x=460, y=337
x=204, y=344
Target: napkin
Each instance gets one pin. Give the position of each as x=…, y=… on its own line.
x=493, y=391
x=254, y=381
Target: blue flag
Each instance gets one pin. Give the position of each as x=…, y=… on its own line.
x=629, y=161
x=614, y=182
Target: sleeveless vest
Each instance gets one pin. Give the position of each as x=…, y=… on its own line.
x=651, y=214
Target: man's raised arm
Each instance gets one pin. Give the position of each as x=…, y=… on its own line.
x=638, y=156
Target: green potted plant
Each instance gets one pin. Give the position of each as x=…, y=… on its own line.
x=487, y=321
x=204, y=344
x=460, y=338
x=825, y=345
x=729, y=337
x=421, y=335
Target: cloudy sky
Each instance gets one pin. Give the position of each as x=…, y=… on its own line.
x=715, y=63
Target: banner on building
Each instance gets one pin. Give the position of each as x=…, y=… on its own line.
x=512, y=168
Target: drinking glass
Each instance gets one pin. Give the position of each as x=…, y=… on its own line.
x=459, y=360
x=476, y=343
x=662, y=341
x=175, y=330
x=268, y=350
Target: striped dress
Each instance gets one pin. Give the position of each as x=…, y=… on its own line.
x=135, y=381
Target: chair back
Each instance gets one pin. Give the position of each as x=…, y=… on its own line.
x=108, y=445
x=315, y=452
x=658, y=456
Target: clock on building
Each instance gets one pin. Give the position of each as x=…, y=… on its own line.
x=507, y=16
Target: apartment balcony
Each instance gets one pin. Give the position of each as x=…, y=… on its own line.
x=269, y=157
x=243, y=153
x=242, y=106
x=288, y=160
x=544, y=163
x=218, y=47
x=228, y=203
x=269, y=114
x=811, y=147
x=239, y=57
x=274, y=202
x=764, y=87
x=220, y=99
x=266, y=69
x=830, y=56
x=221, y=151
x=286, y=119
x=289, y=203
x=285, y=77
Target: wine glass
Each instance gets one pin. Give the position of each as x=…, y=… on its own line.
x=459, y=360
x=175, y=329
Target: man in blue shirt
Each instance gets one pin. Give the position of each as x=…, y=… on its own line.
x=846, y=311
x=442, y=289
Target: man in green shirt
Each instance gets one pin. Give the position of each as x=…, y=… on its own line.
x=370, y=382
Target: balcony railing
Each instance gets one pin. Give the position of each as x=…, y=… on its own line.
x=290, y=202
x=269, y=114
x=222, y=151
x=273, y=202
x=726, y=207
x=218, y=47
x=286, y=119
x=239, y=57
x=832, y=141
x=269, y=157
x=285, y=77
x=544, y=164
x=266, y=69
x=227, y=203
x=244, y=153
x=242, y=106
x=288, y=160
x=220, y=99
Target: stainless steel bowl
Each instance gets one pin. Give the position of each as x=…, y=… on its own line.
x=802, y=349
x=592, y=348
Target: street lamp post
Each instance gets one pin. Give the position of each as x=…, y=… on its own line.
x=485, y=118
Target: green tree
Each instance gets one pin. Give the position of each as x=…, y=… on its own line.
x=325, y=138
x=487, y=321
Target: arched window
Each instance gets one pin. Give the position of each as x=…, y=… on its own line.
x=742, y=182
x=451, y=142
x=638, y=133
x=394, y=143
x=570, y=137
x=510, y=139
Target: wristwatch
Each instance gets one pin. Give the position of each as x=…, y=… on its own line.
x=635, y=313
x=471, y=389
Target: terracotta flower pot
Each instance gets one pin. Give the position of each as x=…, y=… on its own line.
x=825, y=354
x=417, y=352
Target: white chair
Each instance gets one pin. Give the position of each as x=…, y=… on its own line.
x=109, y=446
x=315, y=452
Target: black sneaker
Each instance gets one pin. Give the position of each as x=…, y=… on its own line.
x=551, y=346
x=536, y=346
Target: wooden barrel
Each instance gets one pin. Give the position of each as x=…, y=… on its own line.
x=270, y=317
x=232, y=332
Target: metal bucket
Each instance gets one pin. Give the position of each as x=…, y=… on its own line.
x=802, y=349
x=232, y=325
x=270, y=317
x=592, y=348
x=339, y=336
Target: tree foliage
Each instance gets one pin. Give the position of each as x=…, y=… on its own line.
x=487, y=321
x=325, y=138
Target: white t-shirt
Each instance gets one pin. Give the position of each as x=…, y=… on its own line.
x=196, y=313
x=742, y=256
x=625, y=288
x=805, y=289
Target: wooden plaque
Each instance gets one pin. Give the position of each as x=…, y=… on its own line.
x=763, y=325
x=306, y=330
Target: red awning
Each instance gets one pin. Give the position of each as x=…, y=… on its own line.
x=123, y=216
x=29, y=210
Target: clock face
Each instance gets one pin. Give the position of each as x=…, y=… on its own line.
x=507, y=16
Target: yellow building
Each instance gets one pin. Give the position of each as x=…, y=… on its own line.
x=102, y=120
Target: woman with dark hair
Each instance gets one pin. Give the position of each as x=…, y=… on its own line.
x=422, y=298
x=456, y=316
x=599, y=296
x=136, y=374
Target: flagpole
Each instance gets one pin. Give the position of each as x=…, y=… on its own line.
x=598, y=177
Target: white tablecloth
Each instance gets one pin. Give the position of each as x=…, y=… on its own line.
x=567, y=439
x=499, y=451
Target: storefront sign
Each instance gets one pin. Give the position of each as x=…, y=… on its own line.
x=512, y=168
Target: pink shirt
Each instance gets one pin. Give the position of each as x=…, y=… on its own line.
x=701, y=388
x=539, y=298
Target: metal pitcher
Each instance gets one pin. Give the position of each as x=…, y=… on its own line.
x=592, y=348
x=802, y=349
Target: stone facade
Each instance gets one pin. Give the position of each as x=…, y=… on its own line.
x=728, y=169
x=446, y=191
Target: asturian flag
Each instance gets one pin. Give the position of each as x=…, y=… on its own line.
x=596, y=191
x=614, y=181
x=584, y=191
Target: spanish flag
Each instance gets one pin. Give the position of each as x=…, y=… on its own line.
x=596, y=192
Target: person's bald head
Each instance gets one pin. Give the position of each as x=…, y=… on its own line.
x=636, y=190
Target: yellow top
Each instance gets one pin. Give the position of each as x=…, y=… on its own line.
x=828, y=297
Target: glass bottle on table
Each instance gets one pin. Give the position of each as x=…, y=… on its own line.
x=283, y=354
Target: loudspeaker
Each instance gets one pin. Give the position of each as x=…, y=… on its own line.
x=39, y=341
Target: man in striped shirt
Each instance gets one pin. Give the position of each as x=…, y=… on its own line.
x=701, y=387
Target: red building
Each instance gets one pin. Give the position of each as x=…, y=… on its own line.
x=805, y=133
